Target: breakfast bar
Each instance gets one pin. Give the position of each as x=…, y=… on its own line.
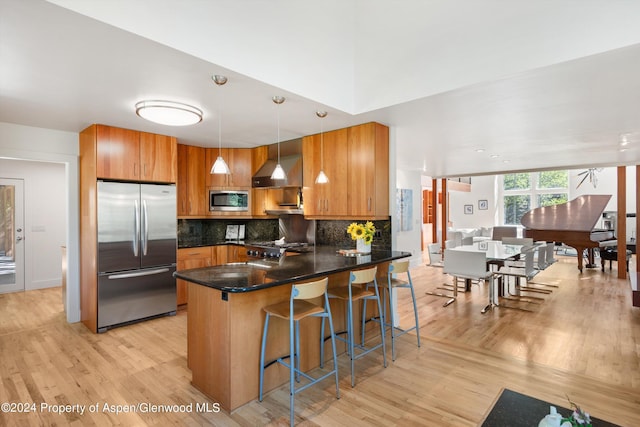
x=225, y=318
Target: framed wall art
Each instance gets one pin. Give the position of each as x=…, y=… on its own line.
x=468, y=209
x=483, y=205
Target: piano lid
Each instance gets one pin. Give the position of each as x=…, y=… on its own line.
x=579, y=214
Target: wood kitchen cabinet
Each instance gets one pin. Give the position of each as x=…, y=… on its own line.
x=191, y=188
x=264, y=199
x=191, y=258
x=158, y=157
x=368, y=178
x=131, y=155
x=239, y=162
x=356, y=160
x=236, y=253
x=205, y=256
x=328, y=199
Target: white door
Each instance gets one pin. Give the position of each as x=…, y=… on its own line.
x=11, y=235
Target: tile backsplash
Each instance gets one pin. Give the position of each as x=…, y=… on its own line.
x=205, y=232
x=334, y=233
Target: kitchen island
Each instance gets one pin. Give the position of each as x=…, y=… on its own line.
x=225, y=318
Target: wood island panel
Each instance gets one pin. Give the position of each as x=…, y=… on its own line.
x=224, y=339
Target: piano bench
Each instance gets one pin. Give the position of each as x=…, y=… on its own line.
x=612, y=255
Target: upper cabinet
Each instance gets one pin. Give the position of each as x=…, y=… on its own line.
x=158, y=157
x=191, y=189
x=331, y=153
x=239, y=162
x=368, y=179
x=130, y=155
x=356, y=161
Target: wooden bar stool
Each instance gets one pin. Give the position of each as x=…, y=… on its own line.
x=355, y=291
x=395, y=268
x=297, y=308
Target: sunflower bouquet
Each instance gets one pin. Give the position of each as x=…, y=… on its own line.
x=364, y=231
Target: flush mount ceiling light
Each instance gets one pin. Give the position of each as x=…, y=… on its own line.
x=278, y=172
x=220, y=166
x=322, y=178
x=169, y=113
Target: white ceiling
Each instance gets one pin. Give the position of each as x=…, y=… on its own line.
x=542, y=84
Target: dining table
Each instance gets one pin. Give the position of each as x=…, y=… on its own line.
x=496, y=251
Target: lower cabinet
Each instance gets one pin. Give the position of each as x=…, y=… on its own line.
x=191, y=258
x=205, y=256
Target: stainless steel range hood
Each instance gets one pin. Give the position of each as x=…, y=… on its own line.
x=291, y=162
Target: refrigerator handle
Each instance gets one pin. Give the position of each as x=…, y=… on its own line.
x=136, y=231
x=145, y=228
x=137, y=274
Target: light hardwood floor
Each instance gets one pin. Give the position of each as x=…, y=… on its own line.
x=582, y=341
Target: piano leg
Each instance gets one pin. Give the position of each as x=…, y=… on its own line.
x=579, y=255
x=591, y=258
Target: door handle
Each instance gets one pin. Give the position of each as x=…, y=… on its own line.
x=18, y=238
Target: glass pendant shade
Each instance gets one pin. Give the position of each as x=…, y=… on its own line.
x=278, y=173
x=322, y=178
x=220, y=166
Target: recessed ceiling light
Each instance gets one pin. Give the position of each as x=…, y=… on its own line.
x=506, y=161
x=495, y=156
x=479, y=150
x=169, y=113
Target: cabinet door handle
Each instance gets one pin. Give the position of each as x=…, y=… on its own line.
x=326, y=205
x=369, y=204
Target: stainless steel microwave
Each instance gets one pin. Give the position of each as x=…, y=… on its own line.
x=228, y=200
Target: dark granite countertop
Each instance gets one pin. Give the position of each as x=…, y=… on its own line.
x=261, y=274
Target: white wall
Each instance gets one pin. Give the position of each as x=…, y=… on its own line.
x=45, y=221
x=607, y=184
x=482, y=188
x=19, y=142
x=409, y=240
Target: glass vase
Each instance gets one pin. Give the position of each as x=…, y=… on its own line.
x=363, y=247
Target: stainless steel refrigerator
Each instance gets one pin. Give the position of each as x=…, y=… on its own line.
x=137, y=237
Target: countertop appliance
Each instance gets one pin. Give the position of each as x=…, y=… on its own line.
x=137, y=238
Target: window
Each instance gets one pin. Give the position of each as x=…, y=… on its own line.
x=522, y=192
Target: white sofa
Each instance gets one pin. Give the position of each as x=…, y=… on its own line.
x=468, y=236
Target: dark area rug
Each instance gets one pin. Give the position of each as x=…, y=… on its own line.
x=519, y=410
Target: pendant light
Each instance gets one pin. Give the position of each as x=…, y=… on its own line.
x=278, y=172
x=220, y=166
x=322, y=178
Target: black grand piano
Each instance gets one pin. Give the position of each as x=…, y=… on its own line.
x=572, y=223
